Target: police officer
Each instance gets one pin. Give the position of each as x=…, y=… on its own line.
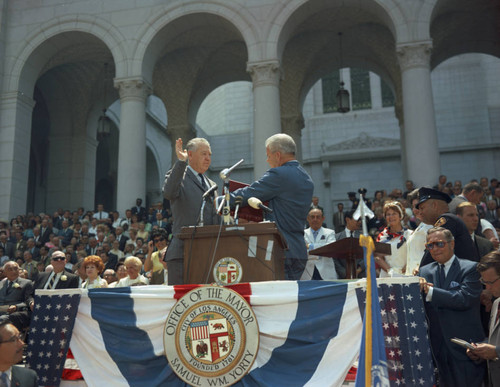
x=433, y=206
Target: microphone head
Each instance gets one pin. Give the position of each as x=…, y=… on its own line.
x=254, y=202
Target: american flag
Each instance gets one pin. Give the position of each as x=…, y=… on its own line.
x=50, y=333
x=404, y=325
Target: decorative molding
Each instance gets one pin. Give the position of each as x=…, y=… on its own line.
x=414, y=55
x=133, y=88
x=265, y=73
x=17, y=97
x=363, y=141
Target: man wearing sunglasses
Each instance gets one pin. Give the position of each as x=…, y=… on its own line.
x=489, y=268
x=11, y=353
x=59, y=278
x=452, y=291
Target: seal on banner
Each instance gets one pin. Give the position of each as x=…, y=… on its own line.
x=227, y=271
x=211, y=337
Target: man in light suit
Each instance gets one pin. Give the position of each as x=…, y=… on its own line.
x=11, y=353
x=452, y=292
x=184, y=186
x=15, y=296
x=489, y=268
x=317, y=236
x=288, y=189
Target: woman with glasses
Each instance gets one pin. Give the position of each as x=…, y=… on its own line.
x=396, y=235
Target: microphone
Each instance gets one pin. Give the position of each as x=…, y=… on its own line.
x=237, y=201
x=224, y=174
x=209, y=191
x=257, y=203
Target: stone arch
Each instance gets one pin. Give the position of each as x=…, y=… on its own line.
x=31, y=58
x=146, y=51
x=292, y=14
x=458, y=27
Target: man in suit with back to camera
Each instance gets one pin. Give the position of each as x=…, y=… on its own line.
x=452, y=291
x=489, y=268
x=433, y=209
x=352, y=230
x=184, y=186
x=15, y=295
x=288, y=188
x=11, y=353
x=317, y=236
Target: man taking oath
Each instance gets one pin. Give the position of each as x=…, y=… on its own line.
x=184, y=186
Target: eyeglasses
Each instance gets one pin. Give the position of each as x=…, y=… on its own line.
x=158, y=240
x=13, y=339
x=58, y=258
x=488, y=282
x=439, y=244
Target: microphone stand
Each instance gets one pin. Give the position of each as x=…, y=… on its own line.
x=226, y=212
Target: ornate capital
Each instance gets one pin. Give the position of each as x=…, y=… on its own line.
x=132, y=88
x=264, y=73
x=414, y=55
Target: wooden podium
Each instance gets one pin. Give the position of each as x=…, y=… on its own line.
x=350, y=250
x=257, y=247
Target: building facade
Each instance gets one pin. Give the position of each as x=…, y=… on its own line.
x=148, y=66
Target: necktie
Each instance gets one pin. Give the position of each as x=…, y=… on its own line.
x=51, y=282
x=442, y=276
x=315, y=234
x=4, y=381
x=203, y=185
x=9, y=286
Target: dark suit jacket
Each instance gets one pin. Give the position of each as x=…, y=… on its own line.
x=9, y=249
x=44, y=238
x=23, y=377
x=494, y=339
x=141, y=213
x=184, y=191
x=123, y=240
x=66, y=235
x=483, y=245
x=19, y=296
x=454, y=309
x=70, y=283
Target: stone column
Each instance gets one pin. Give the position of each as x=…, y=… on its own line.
x=131, y=182
x=375, y=91
x=267, y=121
x=16, y=111
x=293, y=125
x=420, y=135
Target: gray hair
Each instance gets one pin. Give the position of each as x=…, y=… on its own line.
x=281, y=142
x=194, y=143
x=469, y=187
x=448, y=236
x=133, y=260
